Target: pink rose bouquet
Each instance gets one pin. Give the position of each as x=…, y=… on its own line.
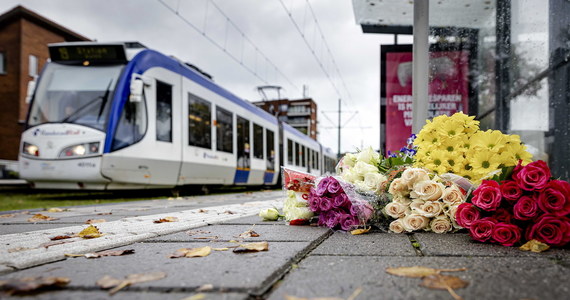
x=528, y=205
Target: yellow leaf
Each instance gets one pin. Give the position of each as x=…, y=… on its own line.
x=414, y=272
x=55, y=209
x=360, y=231
x=252, y=247
x=107, y=281
x=192, y=252
x=94, y=221
x=248, y=234
x=534, y=246
x=445, y=282
x=90, y=232
x=220, y=249
x=199, y=296
x=31, y=284
x=40, y=217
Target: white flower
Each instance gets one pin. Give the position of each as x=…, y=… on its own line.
x=428, y=190
x=398, y=188
x=413, y=175
x=349, y=160
x=441, y=224
x=395, y=210
x=361, y=186
x=430, y=209
x=294, y=213
x=402, y=199
x=450, y=211
x=351, y=176
x=374, y=181
x=296, y=199
x=416, y=205
x=362, y=168
x=397, y=226
x=414, y=222
x=453, y=195
x=368, y=155
x=269, y=214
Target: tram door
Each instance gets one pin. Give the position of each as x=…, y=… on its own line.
x=243, y=151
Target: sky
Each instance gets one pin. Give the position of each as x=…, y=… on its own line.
x=249, y=43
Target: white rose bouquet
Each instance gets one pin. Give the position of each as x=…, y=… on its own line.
x=423, y=201
x=362, y=170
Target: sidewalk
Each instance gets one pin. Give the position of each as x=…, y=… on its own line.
x=302, y=261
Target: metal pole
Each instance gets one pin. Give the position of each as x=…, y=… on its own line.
x=420, y=71
x=339, y=125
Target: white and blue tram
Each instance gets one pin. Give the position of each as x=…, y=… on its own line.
x=121, y=116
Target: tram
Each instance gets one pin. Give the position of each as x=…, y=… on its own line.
x=109, y=116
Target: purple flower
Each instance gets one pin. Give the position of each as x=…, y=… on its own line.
x=332, y=218
x=314, y=201
x=334, y=186
x=326, y=204
x=341, y=200
x=362, y=210
x=348, y=222
x=323, y=186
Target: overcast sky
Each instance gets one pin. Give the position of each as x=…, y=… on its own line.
x=267, y=25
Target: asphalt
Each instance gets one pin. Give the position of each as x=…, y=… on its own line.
x=301, y=261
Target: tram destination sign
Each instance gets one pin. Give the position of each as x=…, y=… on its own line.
x=78, y=54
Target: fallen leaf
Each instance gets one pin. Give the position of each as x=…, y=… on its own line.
x=60, y=237
x=229, y=212
x=107, y=281
x=94, y=221
x=445, y=282
x=418, y=271
x=221, y=249
x=360, y=231
x=192, y=252
x=202, y=210
x=73, y=255
x=214, y=237
x=193, y=232
x=166, y=219
x=7, y=216
x=248, y=234
x=534, y=246
x=56, y=209
x=55, y=243
x=205, y=288
x=109, y=253
x=40, y=217
x=90, y=232
x=105, y=213
x=29, y=284
x=252, y=247
x=18, y=249
x=200, y=296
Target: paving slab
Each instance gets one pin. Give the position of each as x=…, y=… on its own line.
x=232, y=232
x=253, y=220
x=372, y=243
x=23, y=228
x=488, y=277
x=460, y=244
x=225, y=270
x=125, y=295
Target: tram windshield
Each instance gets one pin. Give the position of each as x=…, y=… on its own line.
x=74, y=94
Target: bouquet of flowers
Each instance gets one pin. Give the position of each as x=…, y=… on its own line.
x=335, y=208
x=527, y=206
x=423, y=201
x=297, y=185
x=456, y=145
x=363, y=171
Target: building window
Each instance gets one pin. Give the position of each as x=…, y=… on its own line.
x=224, y=130
x=297, y=154
x=257, y=141
x=199, y=122
x=2, y=63
x=33, y=65
x=163, y=112
x=290, y=151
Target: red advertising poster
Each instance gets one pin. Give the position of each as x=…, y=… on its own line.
x=448, y=91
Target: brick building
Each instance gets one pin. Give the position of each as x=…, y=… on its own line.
x=300, y=114
x=24, y=36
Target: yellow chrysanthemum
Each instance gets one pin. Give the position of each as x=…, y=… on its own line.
x=518, y=152
x=492, y=140
x=451, y=129
x=484, y=162
x=469, y=122
x=456, y=161
x=437, y=162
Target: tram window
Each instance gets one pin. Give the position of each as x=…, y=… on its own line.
x=132, y=125
x=243, y=143
x=257, y=141
x=318, y=161
x=163, y=112
x=199, y=122
x=270, y=149
x=310, y=158
x=297, y=154
x=290, y=151
x=224, y=130
x=303, y=157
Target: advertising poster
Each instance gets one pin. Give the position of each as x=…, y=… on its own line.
x=448, y=90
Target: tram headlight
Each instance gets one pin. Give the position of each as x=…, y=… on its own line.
x=80, y=150
x=30, y=149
